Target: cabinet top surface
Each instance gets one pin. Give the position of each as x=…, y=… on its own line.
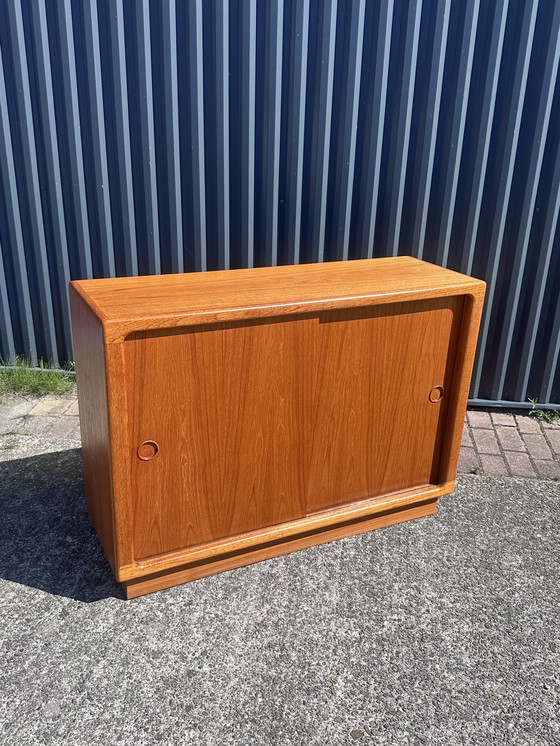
x=264, y=291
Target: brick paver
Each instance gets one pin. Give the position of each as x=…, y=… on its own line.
x=501, y=443
x=537, y=447
x=469, y=461
x=501, y=418
x=486, y=442
x=527, y=424
x=479, y=419
x=509, y=439
x=552, y=434
x=547, y=468
x=519, y=464
x=467, y=441
x=495, y=466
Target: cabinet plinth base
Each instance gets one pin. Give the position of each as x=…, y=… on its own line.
x=203, y=568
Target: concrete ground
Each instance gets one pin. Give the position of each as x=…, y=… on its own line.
x=444, y=630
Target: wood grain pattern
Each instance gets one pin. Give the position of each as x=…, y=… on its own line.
x=313, y=523
x=298, y=410
x=87, y=333
x=127, y=304
x=461, y=380
x=375, y=431
x=230, y=423
x=201, y=569
x=287, y=404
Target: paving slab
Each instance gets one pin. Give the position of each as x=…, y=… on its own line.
x=469, y=460
x=486, y=441
x=479, y=419
x=547, y=468
x=52, y=405
x=503, y=418
x=467, y=441
x=537, y=445
x=494, y=465
x=552, y=434
x=438, y=631
x=510, y=439
x=519, y=464
x=527, y=424
x=12, y=409
x=73, y=408
x=65, y=426
x=36, y=425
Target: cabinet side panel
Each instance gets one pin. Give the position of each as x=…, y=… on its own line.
x=87, y=333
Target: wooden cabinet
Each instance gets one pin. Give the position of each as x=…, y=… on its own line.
x=229, y=417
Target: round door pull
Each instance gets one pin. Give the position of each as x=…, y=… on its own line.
x=436, y=394
x=147, y=450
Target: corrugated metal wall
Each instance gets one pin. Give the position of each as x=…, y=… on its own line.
x=145, y=137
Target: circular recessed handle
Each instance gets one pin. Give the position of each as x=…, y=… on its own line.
x=147, y=450
x=436, y=394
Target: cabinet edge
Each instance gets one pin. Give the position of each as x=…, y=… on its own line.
x=89, y=356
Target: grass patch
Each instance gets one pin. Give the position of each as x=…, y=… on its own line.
x=21, y=378
x=544, y=415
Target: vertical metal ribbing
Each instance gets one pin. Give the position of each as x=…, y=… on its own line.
x=196, y=94
x=529, y=339
x=528, y=205
x=296, y=124
x=401, y=146
x=122, y=141
x=375, y=138
x=511, y=141
x=222, y=132
x=346, y=152
x=7, y=345
x=552, y=356
x=458, y=130
x=54, y=194
x=489, y=87
x=323, y=122
x=31, y=176
x=341, y=60
x=149, y=173
x=272, y=99
x=76, y=197
x=248, y=72
x=13, y=219
x=98, y=141
x=430, y=131
x=172, y=145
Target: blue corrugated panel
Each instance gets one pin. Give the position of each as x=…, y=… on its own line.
x=146, y=137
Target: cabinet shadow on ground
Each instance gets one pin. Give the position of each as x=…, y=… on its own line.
x=46, y=538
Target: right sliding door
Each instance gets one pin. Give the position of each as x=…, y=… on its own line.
x=381, y=386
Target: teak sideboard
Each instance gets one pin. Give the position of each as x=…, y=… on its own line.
x=229, y=417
